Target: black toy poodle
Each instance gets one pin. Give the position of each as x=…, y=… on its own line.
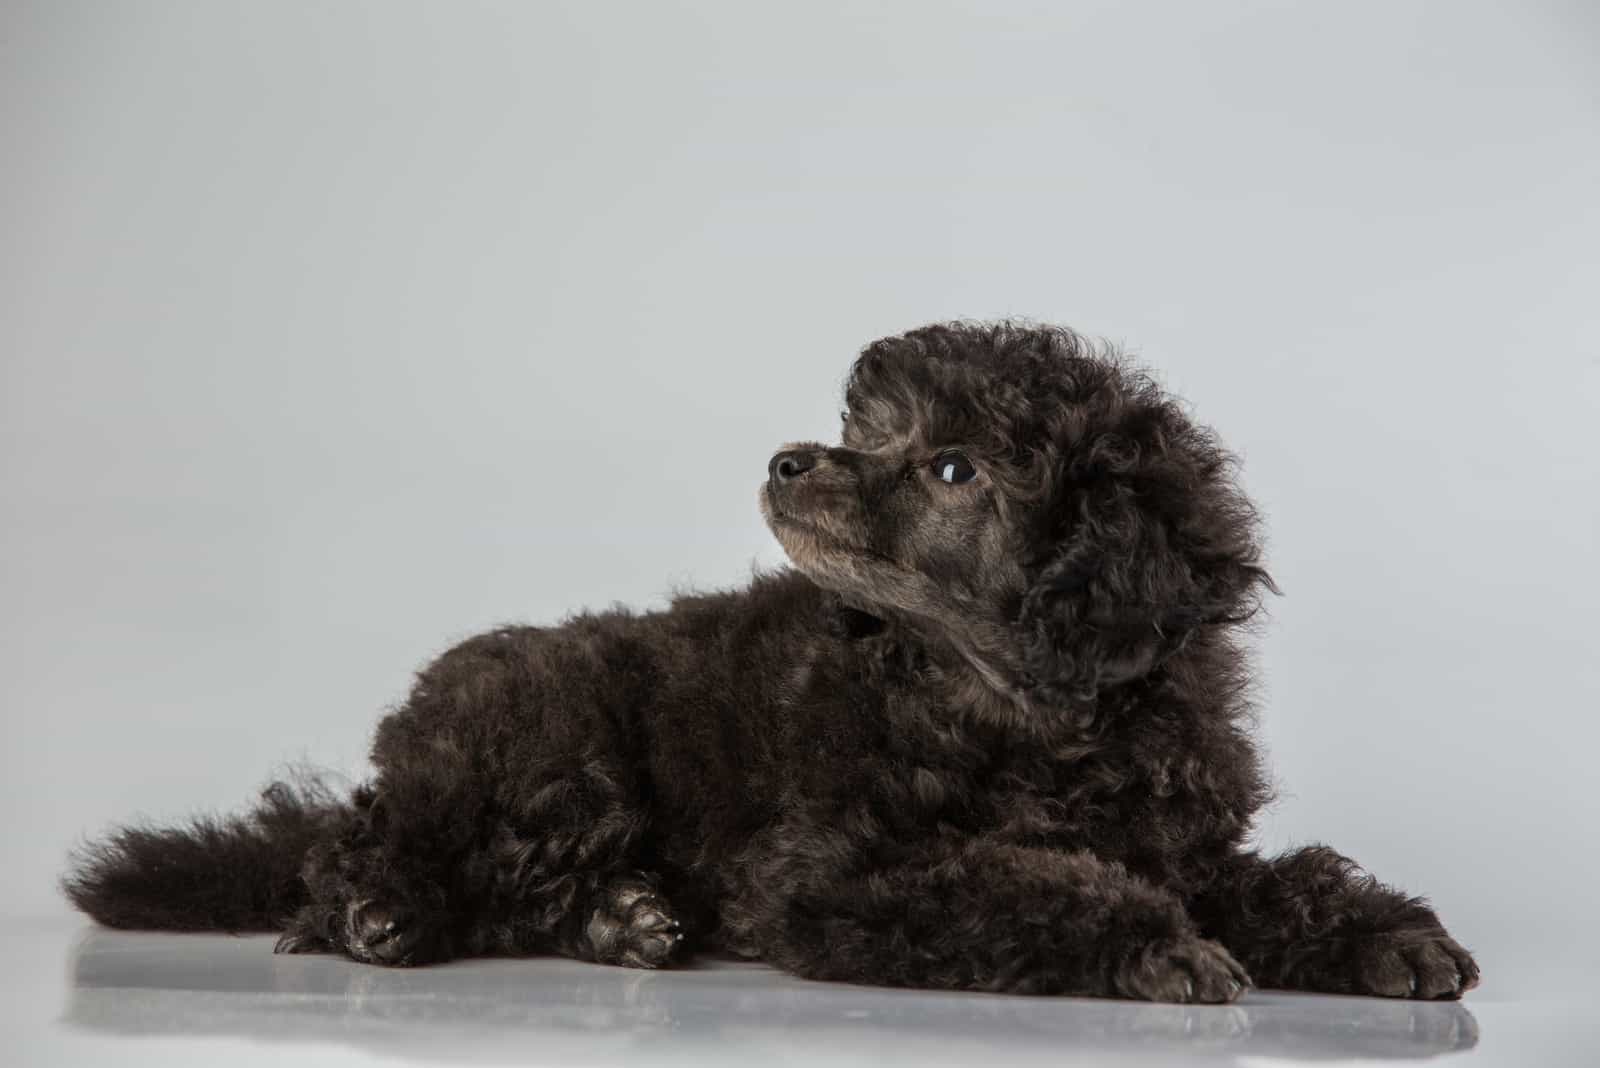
x=990, y=733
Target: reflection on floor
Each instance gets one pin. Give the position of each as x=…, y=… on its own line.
x=731, y=1012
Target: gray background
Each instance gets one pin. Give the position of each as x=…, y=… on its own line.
x=334, y=333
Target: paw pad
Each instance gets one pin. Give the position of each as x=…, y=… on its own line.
x=383, y=933
x=633, y=925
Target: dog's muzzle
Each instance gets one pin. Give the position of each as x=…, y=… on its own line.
x=790, y=464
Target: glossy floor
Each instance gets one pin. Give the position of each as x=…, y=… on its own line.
x=82, y=995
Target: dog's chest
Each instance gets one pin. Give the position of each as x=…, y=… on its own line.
x=1139, y=798
x=896, y=753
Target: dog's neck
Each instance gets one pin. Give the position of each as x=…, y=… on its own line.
x=859, y=621
x=972, y=667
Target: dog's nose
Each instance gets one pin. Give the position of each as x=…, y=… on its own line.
x=790, y=464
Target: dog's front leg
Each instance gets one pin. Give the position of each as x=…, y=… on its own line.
x=982, y=915
x=1313, y=920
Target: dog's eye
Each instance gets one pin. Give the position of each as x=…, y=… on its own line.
x=954, y=467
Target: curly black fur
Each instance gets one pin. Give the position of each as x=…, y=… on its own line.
x=990, y=734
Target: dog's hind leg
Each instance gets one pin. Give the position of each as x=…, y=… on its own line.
x=615, y=918
x=412, y=881
x=380, y=892
x=571, y=874
x=509, y=813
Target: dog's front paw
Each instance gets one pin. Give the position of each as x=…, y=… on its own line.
x=1183, y=969
x=1421, y=963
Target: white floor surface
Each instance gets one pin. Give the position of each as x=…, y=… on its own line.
x=80, y=995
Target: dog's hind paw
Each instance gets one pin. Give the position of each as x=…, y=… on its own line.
x=633, y=925
x=384, y=932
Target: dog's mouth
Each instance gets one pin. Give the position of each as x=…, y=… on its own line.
x=777, y=512
x=810, y=543
x=786, y=525
x=771, y=507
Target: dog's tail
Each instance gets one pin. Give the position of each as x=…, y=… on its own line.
x=230, y=873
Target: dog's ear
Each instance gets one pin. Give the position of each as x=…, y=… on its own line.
x=1149, y=540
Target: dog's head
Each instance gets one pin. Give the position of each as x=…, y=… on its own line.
x=1041, y=506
